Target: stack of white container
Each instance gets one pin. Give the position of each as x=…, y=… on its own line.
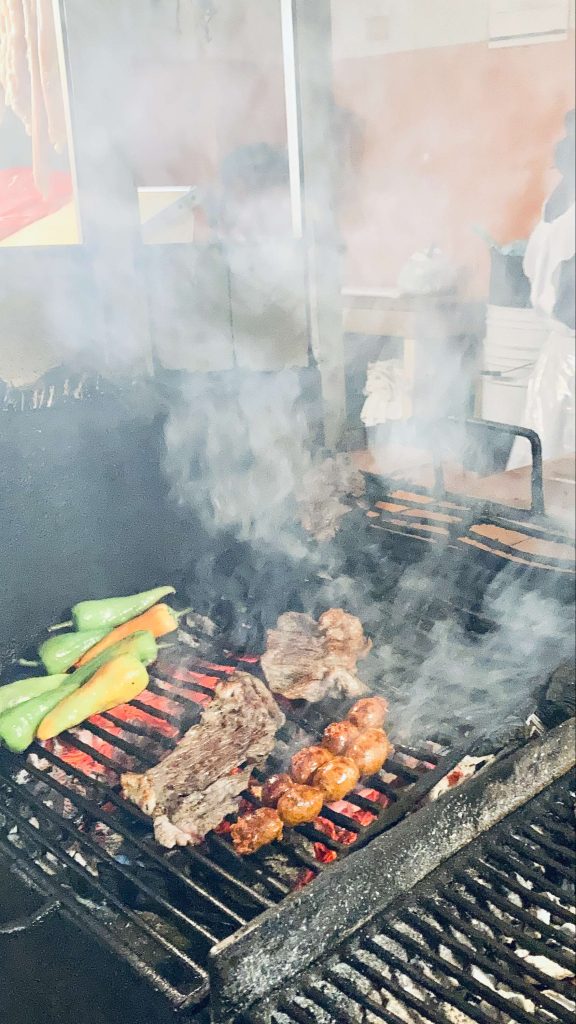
x=514, y=339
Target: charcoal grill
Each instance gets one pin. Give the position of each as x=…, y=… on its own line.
x=68, y=831
x=65, y=824
x=192, y=923
x=487, y=938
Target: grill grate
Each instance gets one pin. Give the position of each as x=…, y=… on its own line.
x=65, y=824
x=488, y=938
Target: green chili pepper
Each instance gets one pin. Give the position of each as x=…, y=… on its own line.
x=24, y=689
x=113, y=611
x=58, y=653
x=19, y=724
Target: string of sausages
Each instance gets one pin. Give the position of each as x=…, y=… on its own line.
x=350, y=749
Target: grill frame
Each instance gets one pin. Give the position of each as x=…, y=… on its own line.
x=383, y=942
x=249, y=882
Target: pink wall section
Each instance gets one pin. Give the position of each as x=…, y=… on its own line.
x=452, y=137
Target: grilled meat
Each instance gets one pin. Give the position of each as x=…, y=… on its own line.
x=337, y=778
x=338, y=736
x=369, y=751
x=256, y=830
x=300, y=804
x=323, y=494
x=199, y=782
x=306, y=762
x=306, y=660
x=275, y=788
x=369, y=713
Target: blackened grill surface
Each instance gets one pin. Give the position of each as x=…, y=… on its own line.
x=65, y=825
x=488, y=938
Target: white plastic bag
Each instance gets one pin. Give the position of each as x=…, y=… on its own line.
x=385, y=392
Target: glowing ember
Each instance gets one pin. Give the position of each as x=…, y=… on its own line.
x=76, y=758
x=221, y=669
x=185, y=675
x=375, y=796
x=351, y=811
x=304, y=878
x=128, y=713
x=339, y=835
x=323, y=854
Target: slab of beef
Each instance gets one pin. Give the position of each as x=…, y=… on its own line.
x=307, y=660
x=198, y=784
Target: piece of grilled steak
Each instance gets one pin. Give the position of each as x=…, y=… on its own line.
x=198, y=784
x=307, y=660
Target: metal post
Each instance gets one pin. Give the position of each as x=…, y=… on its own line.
x=106, y=194
x=307, y=35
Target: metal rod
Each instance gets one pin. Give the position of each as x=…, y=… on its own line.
x=292, y=116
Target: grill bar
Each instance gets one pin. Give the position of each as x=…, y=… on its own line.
x=56, y=849
x=446, y=917
x=247, y=892
x=101, y=854
x=115, y=825
x=454, y=949
x=437, y=989
x=383, y=980
x=140, y=729
x=485, y=893
x=505, y=929
x=525, y=871
x=106, y=936
x=354, y=993
x=499, y=878
x=525, y=848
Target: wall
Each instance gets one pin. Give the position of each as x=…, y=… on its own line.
x=454, y=135
x=193, y=98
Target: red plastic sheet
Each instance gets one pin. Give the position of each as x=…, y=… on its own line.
x=21, y=203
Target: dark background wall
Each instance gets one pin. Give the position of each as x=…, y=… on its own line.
x=84, y=509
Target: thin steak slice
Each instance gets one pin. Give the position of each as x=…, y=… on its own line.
x=307, y=660
x=193, y=789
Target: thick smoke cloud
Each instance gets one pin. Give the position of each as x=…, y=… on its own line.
x=239, y=442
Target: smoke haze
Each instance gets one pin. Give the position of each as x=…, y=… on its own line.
x=241, y=422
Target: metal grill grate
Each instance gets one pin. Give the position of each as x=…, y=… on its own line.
x=64, y=823
x=488, y=938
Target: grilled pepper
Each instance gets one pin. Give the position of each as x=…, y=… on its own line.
x=158, y=621
x=24, y=689
x=60, y=652
x=117, y=682
x=18, y=725
x=113, y=611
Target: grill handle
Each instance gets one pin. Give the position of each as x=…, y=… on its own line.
x=537, y=480
x=29, y=921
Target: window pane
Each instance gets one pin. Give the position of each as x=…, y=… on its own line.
x=36, y=178
x=208, y=142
